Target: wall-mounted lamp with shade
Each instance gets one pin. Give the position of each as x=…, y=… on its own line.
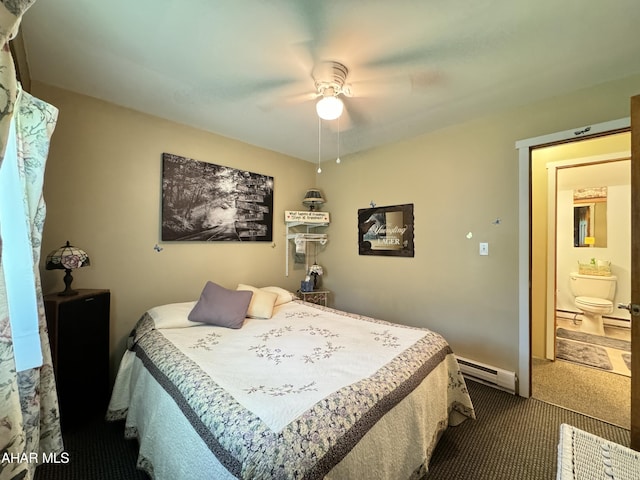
x=67, y=258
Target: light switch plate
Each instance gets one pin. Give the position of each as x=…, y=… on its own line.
x=484, y=248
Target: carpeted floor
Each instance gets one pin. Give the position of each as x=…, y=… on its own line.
x=97, y=451
x=583, y=389
x=512, y=438
x=579, y=385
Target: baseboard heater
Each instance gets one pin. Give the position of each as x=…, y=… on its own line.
x=492, y=376
x=608, y=320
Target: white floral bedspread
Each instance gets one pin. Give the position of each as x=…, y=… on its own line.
x=289, y=397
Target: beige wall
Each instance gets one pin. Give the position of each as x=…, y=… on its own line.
x=103, y=191
x=460, y=179
x=103, y=194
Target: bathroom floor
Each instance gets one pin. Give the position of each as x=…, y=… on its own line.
x=616, y=356
x=609, y=331
x=590, y=391
x=587, y=390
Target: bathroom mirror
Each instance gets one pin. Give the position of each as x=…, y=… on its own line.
x=590, y=217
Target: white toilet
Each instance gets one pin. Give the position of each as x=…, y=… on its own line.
x=594, y=297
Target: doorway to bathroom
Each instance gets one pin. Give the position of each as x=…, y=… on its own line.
x=580, y=214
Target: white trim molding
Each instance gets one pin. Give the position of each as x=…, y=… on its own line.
x=524, y=148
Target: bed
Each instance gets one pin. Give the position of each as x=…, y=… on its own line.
x=295, y=391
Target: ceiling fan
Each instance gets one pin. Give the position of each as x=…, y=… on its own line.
x=330, y=83
x=330, y=91
x=335, y=96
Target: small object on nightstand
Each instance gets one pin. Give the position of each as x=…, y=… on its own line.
x=319, y=297
x=315, y=271
x=67, y=258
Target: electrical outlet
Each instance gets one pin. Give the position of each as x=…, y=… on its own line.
x=484, y=248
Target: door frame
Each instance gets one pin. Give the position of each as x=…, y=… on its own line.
x=635, y=269
x=524, y=148
x=552, y=224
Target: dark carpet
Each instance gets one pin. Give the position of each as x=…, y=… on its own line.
x=512, y=438
x=97, y=451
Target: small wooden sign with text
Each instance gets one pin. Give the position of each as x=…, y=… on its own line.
x=306, y=216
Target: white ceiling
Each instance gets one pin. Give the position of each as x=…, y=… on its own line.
x=231, y=66
x=595, y=175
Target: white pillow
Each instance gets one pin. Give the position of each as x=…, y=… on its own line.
x=262, y=302
x=284, y=296
x=173, y=315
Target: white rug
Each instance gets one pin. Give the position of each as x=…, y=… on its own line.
x=584, y=456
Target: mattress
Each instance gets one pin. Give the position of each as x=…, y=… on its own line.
x=310, y=393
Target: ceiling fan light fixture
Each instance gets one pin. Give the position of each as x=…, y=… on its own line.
x=329, y=107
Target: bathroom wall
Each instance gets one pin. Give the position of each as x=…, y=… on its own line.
x=616, y=177
x=543, y=256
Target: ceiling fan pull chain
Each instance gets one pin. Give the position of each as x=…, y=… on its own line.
x=338, y=158
x=319, y=142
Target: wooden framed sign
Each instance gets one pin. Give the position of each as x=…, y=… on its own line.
x=386, y=231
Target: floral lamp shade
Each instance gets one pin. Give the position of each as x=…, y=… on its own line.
x=67, y=258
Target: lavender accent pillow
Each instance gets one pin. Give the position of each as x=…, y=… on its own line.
x=220, y=306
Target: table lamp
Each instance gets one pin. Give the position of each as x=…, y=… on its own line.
x=67, y=258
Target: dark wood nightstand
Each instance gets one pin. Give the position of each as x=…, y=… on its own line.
x=319, y=297
x=79, y=335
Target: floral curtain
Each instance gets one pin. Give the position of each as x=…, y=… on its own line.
x=29, y=418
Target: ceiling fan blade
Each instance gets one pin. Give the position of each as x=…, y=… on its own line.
x=248, y=88
x=351, y=117
x=343, y=123
x=447, y=47
x=303, y=57
x=322, y=71
x=300, y=98
x=313, y=17
x=397, y=84
x=234, y=90
x=356, y=114
x=413, y=56
x=385, y=87
x=426, y=79
x=287, y=100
